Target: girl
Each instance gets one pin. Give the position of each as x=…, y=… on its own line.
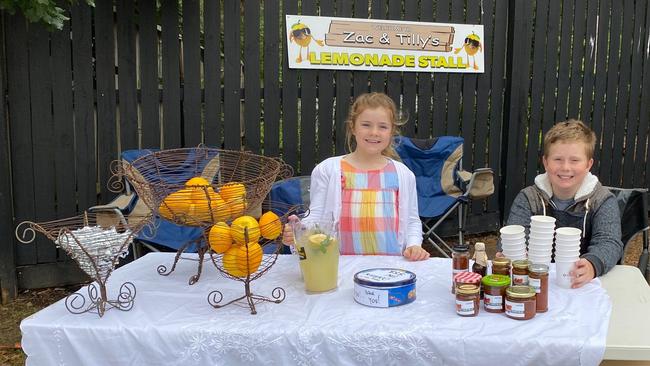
x=368, y=192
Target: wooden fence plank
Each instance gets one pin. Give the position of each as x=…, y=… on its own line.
x=361, y=84
x=550, y=78
x=564, y=59
x=232, y=76
x=454, y=95
x=598, y=119
x=409, y=80
x=272, y=99
x=308, y=106
x=84, y=109
x=394, y=79
x=8, y=285
x=213, y=133
x=343, y=89
x=588, y=77
x=378, y=78
x=126, y=63
x=148, y=69
x=326, y=94
x=440, y=81
x=171, y=76
x=609, y=124
x=40, y=93
x=105, y=94
x=537, y=88
x=252, y=105
x=622, y=122
x=468, y=96
x=290, y=100
x=425, y=85
x=577, y=58
x=642, y=169
x=497, y=101
x=192, y=105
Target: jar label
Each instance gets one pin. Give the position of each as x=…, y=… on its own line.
x=493, y=302
x=464, y=307
x=515, y=309
x=519, y=279
x=535, y=283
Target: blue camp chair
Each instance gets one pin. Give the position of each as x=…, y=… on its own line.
x=443, y=186
x=161, y=235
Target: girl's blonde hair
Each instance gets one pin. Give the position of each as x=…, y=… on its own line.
x=372, y=101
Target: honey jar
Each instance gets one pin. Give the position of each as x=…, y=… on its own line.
x=467, y=300
x=520, y=272
x=520, y=302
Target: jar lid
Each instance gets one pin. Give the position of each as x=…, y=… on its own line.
x=467, y=289
x=496, y=280
x=521, y=263
x=461, y=248
x=384, y=277
x=520, y=292
x=467, y=277
x=501, y=261
x=538, y=268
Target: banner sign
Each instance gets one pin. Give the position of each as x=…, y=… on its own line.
x=383, y=45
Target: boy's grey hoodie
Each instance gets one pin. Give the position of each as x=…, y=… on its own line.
x=594, y=211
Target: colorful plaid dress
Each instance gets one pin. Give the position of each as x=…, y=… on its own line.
x=369, y=211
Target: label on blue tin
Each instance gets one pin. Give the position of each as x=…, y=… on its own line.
x=371, y=296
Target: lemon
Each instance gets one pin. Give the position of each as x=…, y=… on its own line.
x=240, y=225
x=317, y=239
x=230, y=191
x=219, y=237
x=197, y=182
x=230, y=262
x=270, y=225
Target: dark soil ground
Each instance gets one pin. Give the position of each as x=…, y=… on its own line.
x=30, y=301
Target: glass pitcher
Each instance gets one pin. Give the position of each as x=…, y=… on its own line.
x=317, y=245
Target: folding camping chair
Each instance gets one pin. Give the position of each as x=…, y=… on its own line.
x=161, y=235
x=443, y=186
x=633, y=206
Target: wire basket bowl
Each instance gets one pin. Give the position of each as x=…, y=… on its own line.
x=96, y=241
x=249, y=252
x=202, y=186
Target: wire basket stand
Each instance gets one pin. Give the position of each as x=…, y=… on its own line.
x=202, y=186
x=248, y=264
x=96, y=241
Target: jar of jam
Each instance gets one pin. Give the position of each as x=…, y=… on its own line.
x=538, y=280
x=520, y=272
x=467, y=301
x=460, y=262
x=501, y=266
x=467, y=278
x=520, y=302
x=494, y=292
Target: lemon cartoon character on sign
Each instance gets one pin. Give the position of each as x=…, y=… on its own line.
x=301, y=35
x=471, y=46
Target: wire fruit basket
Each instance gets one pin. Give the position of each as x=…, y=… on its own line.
x=96, y=241
x=201, y=187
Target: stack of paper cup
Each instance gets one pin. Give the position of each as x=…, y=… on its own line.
x=567, y=253
x=513, y=242
x=540, y=239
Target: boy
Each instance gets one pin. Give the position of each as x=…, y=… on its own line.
x=569, y=192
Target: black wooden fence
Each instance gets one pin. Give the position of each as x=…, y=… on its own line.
x=129, y=74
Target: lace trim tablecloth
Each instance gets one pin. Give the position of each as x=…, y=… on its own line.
x=172, y=323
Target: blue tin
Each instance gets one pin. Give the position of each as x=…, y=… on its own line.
x=384, y=287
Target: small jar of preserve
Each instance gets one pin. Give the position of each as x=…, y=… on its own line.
x=520, y=302
x=494, y=292
x=501, y=266
x=467, y=300
x=467, y=278
x=460, y=262
x=538, y=280
x=520, y=272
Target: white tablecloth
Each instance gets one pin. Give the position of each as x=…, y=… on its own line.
x=172, y=323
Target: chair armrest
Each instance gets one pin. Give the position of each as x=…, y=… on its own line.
x=479, y=184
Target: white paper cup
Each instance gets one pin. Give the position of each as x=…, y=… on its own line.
x=512, y=230
x=543, y=236
x=521, y=240
x=566, y=258
x=539, y=260
x=542, y=221
x=568, y=232
x=517, y=246
x=515, y=253
x=567, y=243
x=567, y=252
x=562, y=269
x=539, y=252
x=540, y=243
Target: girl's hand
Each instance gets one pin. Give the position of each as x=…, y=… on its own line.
x=416, y=253
x=582, y=274
x=499, y=255
x=287, y=233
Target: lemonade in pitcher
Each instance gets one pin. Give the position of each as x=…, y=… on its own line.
x=318, y=248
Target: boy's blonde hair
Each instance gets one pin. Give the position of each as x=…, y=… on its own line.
x=571, y=131
x=373, y=100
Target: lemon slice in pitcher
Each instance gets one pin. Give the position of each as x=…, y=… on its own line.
x=317, y=239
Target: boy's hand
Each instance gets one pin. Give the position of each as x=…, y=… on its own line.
x=416, y=253
x=499, y=255
x=287, y=233
x=583, y=273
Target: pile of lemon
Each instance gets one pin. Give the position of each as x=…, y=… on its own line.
x=239, y=241
x=198, y=203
